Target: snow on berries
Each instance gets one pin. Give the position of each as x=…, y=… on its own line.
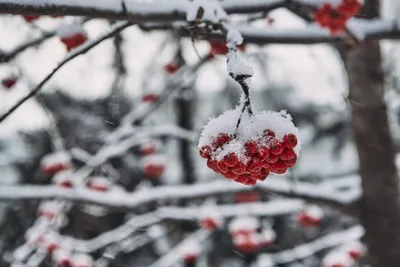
x=335, y=18
x=99, y=184
x=62, y=257
x=355, y=250
x=311, y=216
x=154, y=165
x=190, y=251
x=210, y=218
x=49, y=209
x=82, y=260
x=56, y=162
x=31, y=18
x=265, y=142
x=150, y=98
x=337, y=259
x=266, y=237
x=63, y=179
x=72, y=35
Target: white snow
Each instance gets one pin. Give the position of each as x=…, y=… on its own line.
x=50, y=207
x=250, y=128
x=68, y=30
x=63, y=176
x=102, y=182
x=56, y=158
x=82, y=260
x=211, y=212
x=243, y=223
x=265, y=261
x=267, y=235
x=157, y=159
x=314, y=211
x=60, y=255
x=234, y=37
x=236, y=67
x=191, y=248
x=213, y=12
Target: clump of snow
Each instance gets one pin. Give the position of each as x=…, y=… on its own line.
x=337, y=257
x=49, y=207
x=234, y=37
x=243, y=223
x=62, y=177
x=68, y=30
x=265, y=261
x=154, y=160
x=82, y=260
x=211, y=212
x=61, y=255
x=213, y=12
x=314, y=211
x=60, y=157
x=250, y=128
x=236, y=67
x=192, y=247
x=356, y=245
x=267, y=236
x=100, y=183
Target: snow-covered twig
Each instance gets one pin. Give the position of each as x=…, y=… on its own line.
x=174, y=255
x=279, y=185
x=326, y=242
x=79, y=51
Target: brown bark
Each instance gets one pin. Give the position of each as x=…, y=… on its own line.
x=379, y=207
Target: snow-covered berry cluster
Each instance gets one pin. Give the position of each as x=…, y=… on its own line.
x=335, y=18
x=220, y=48
x=344, y=256
x=154, y=165
x=190, y=251
x=210, y=218
x=56, y=162
x=244, y=233
x=263, y=143
x=311, y=216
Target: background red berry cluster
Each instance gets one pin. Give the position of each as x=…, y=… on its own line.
x=335, y=18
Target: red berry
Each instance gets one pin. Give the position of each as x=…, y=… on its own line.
x=250, y=181
x=31, y=18
x=154, y=170
x=188, y=258
x=349, y=7
x=292, y=162
x=269, y=133
x=278, y=167
x=9, y=82
x=290, y=141
x=287, y=154
x=251, y=147
x=74, y=40
x=265, y=164
x=205, y=152
x=231, y=160
x=239, y=169
x=171, y=67
x=151, y=98
x=221, y=140
x=263, y=152
x=222, y=167
x=230, y=175
x=147, y=149
x=355, y=254
x=243, y=178
x=212, y=164
x=272, y=159
x=254, y=166
x=209, y=224
x=277, y=148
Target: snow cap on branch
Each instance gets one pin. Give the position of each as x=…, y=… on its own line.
x=205, y=10
x=243, y=223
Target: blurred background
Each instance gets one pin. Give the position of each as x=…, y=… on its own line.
x=125, y=118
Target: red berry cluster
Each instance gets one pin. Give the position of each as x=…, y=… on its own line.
x=335, y=18
x=220, y=48
x=31, y=18
x=261, y=158
x=150, y=98
x=171, y=67
x=74, y=40
x=9, y=82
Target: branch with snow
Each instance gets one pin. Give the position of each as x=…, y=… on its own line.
x=322, y=243
x=322, y=193
x=175, y=254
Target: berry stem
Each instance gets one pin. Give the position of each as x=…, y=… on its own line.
x=246, y=104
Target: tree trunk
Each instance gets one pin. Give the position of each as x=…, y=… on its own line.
x=379, y=207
